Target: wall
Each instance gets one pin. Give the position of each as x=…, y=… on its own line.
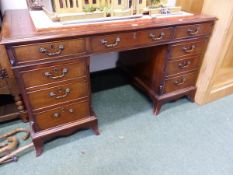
x=13, y=4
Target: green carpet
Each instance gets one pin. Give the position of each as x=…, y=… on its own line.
x=185, y=139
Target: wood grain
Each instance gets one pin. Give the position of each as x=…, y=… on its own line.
x=18, y=30
x=187, y=48
x=63, y=115
x=148, y=46
x=193, y=6
x=217, y=53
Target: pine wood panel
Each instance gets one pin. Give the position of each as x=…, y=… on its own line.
x=194, y=6
x=228, y=61
x=216, y=53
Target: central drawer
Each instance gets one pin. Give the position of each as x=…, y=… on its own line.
x=58, y=94
x=107, y=43
x=62, y=115
x=154, y=35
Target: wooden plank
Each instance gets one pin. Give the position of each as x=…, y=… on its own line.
x=217, y=49
x=193, y=6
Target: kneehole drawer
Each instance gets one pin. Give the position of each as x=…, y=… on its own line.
x=63, y=115
x=114, y=41
x=58, y=94
x=155, y=35
x=49, y=50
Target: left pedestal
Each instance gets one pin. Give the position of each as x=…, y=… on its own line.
x=56, y=93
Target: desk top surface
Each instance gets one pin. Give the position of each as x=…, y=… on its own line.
x=18, y=27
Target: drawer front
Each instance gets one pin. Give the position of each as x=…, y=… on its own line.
x=185, y=49
x=49, y=50
x=179, y=66
x=3, y=83
x=59, y=94
x=62, y=115
x=57, y=72
x=115, y=41
x=3, y=87
x=193, y=30
x=180, y=82
x=155, y=35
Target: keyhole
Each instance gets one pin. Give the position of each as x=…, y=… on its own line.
x=55, y=70
x=135, y=35
x=59, y=90
x=51, y=47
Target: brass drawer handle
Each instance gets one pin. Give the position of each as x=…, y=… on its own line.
x=193, y=31
x=184, y=64
x=180, y=81
x=58, y=114
x=105, y=43
x=55, y=70
x=189, y=49
x=45, y=50
x=55, y=95
x=155, y=38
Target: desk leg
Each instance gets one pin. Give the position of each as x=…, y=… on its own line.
x=38, y=144
x=157, y=107
x=191, y=96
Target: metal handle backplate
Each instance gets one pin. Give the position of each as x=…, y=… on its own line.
x=58, y=114
x=184, y=64
x=156, y=38
x=50, y=75
x=56, y=95
x=189, y=49
x=180, y=81
x=111, y=45
x=56, y=53
x=193, y=31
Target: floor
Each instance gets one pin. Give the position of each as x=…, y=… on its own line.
x=185, y=139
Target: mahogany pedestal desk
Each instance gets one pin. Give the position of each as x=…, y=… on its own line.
x=162, y=57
